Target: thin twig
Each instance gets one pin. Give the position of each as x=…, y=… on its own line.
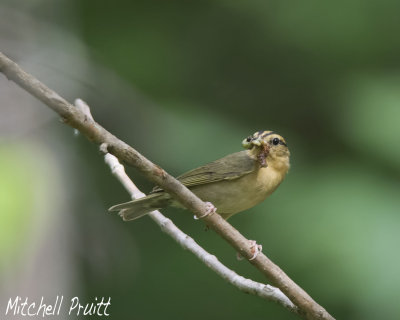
x=266, y=292
x=75, y=118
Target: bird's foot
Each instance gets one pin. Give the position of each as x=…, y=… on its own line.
x=210, y=210
x=255, y=250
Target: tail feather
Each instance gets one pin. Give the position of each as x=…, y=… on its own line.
x=135, y=213
x=138, y=208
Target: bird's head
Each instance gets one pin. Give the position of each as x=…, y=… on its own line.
x=269, y=147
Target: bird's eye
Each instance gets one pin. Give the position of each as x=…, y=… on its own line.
x=275, y=141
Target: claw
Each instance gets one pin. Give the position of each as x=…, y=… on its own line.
x=210, y=210
x=255, y=250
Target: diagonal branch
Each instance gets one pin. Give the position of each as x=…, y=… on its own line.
x=75, y=118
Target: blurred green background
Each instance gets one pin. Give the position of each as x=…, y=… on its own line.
x=184, y=82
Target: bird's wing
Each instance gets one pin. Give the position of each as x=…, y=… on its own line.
x=230, y=167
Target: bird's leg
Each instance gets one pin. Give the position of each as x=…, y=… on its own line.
x=239, y=256
x=255, y=249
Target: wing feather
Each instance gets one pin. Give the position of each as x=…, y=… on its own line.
x=230, y=167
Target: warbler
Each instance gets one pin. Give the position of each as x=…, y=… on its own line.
x=232, y=184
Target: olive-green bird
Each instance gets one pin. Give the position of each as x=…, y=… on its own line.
x=232, y=184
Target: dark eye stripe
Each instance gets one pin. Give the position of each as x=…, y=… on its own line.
x=282, y=143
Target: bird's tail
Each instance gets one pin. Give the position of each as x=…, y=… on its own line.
x=138, y=208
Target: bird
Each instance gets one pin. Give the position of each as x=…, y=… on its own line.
x=231, y=184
